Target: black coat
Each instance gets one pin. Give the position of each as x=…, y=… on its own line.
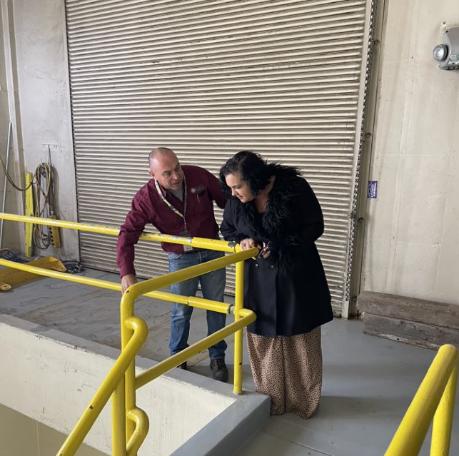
x=288, y=290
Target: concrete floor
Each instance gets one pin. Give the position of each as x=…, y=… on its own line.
x=368, y=382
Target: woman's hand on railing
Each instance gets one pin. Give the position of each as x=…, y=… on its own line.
x=248, y=243
x=127, y=281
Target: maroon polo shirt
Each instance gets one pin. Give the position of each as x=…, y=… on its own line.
x=203, y=188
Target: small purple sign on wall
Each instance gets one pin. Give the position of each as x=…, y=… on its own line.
x=372, y=189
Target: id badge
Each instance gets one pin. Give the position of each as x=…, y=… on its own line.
x=186, y=247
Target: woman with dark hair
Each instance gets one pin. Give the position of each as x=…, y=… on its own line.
x=274, y=208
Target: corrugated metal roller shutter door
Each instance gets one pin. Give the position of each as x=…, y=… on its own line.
x=209, y=78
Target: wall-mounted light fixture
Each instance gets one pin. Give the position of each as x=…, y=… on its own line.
x=447, y=54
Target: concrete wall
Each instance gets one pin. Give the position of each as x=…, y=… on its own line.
x=22, y=436
x=412, y=228
x=53, y=376
x=42, y=114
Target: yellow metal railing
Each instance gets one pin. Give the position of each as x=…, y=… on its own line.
x=76, y=437
x=433, y=400
x=129, y=423
x=204, y=243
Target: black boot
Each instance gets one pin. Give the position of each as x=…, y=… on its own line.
x=219, y=369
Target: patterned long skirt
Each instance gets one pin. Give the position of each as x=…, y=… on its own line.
x=289, y=370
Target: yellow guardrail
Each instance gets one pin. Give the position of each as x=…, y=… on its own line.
x=76, y=437
x=204, y=243
x=433, y=400
x=129, y=423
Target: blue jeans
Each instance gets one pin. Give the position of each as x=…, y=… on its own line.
x=212, y=286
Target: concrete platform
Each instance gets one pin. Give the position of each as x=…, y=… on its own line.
x=368, y=382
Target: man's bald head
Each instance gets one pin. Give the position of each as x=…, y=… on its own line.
x=165, y=168
x=160, y=151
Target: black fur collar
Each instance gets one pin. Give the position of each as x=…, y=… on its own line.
x=277, y=224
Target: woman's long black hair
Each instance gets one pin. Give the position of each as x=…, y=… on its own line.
x=252, y=169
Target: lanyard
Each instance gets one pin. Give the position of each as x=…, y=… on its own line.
x=174, y=209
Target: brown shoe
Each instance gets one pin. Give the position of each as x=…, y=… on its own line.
x=219, y=369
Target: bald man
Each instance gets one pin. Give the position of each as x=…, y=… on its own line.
x=178, y=200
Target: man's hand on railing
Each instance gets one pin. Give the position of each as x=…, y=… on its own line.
x=127, y=281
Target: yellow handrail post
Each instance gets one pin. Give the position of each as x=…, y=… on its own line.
x=127, y=311
x=140, y=420
x=411, y=433
x=79, y=432
x=238, y=305
x=443, y=419
x=119, y=420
